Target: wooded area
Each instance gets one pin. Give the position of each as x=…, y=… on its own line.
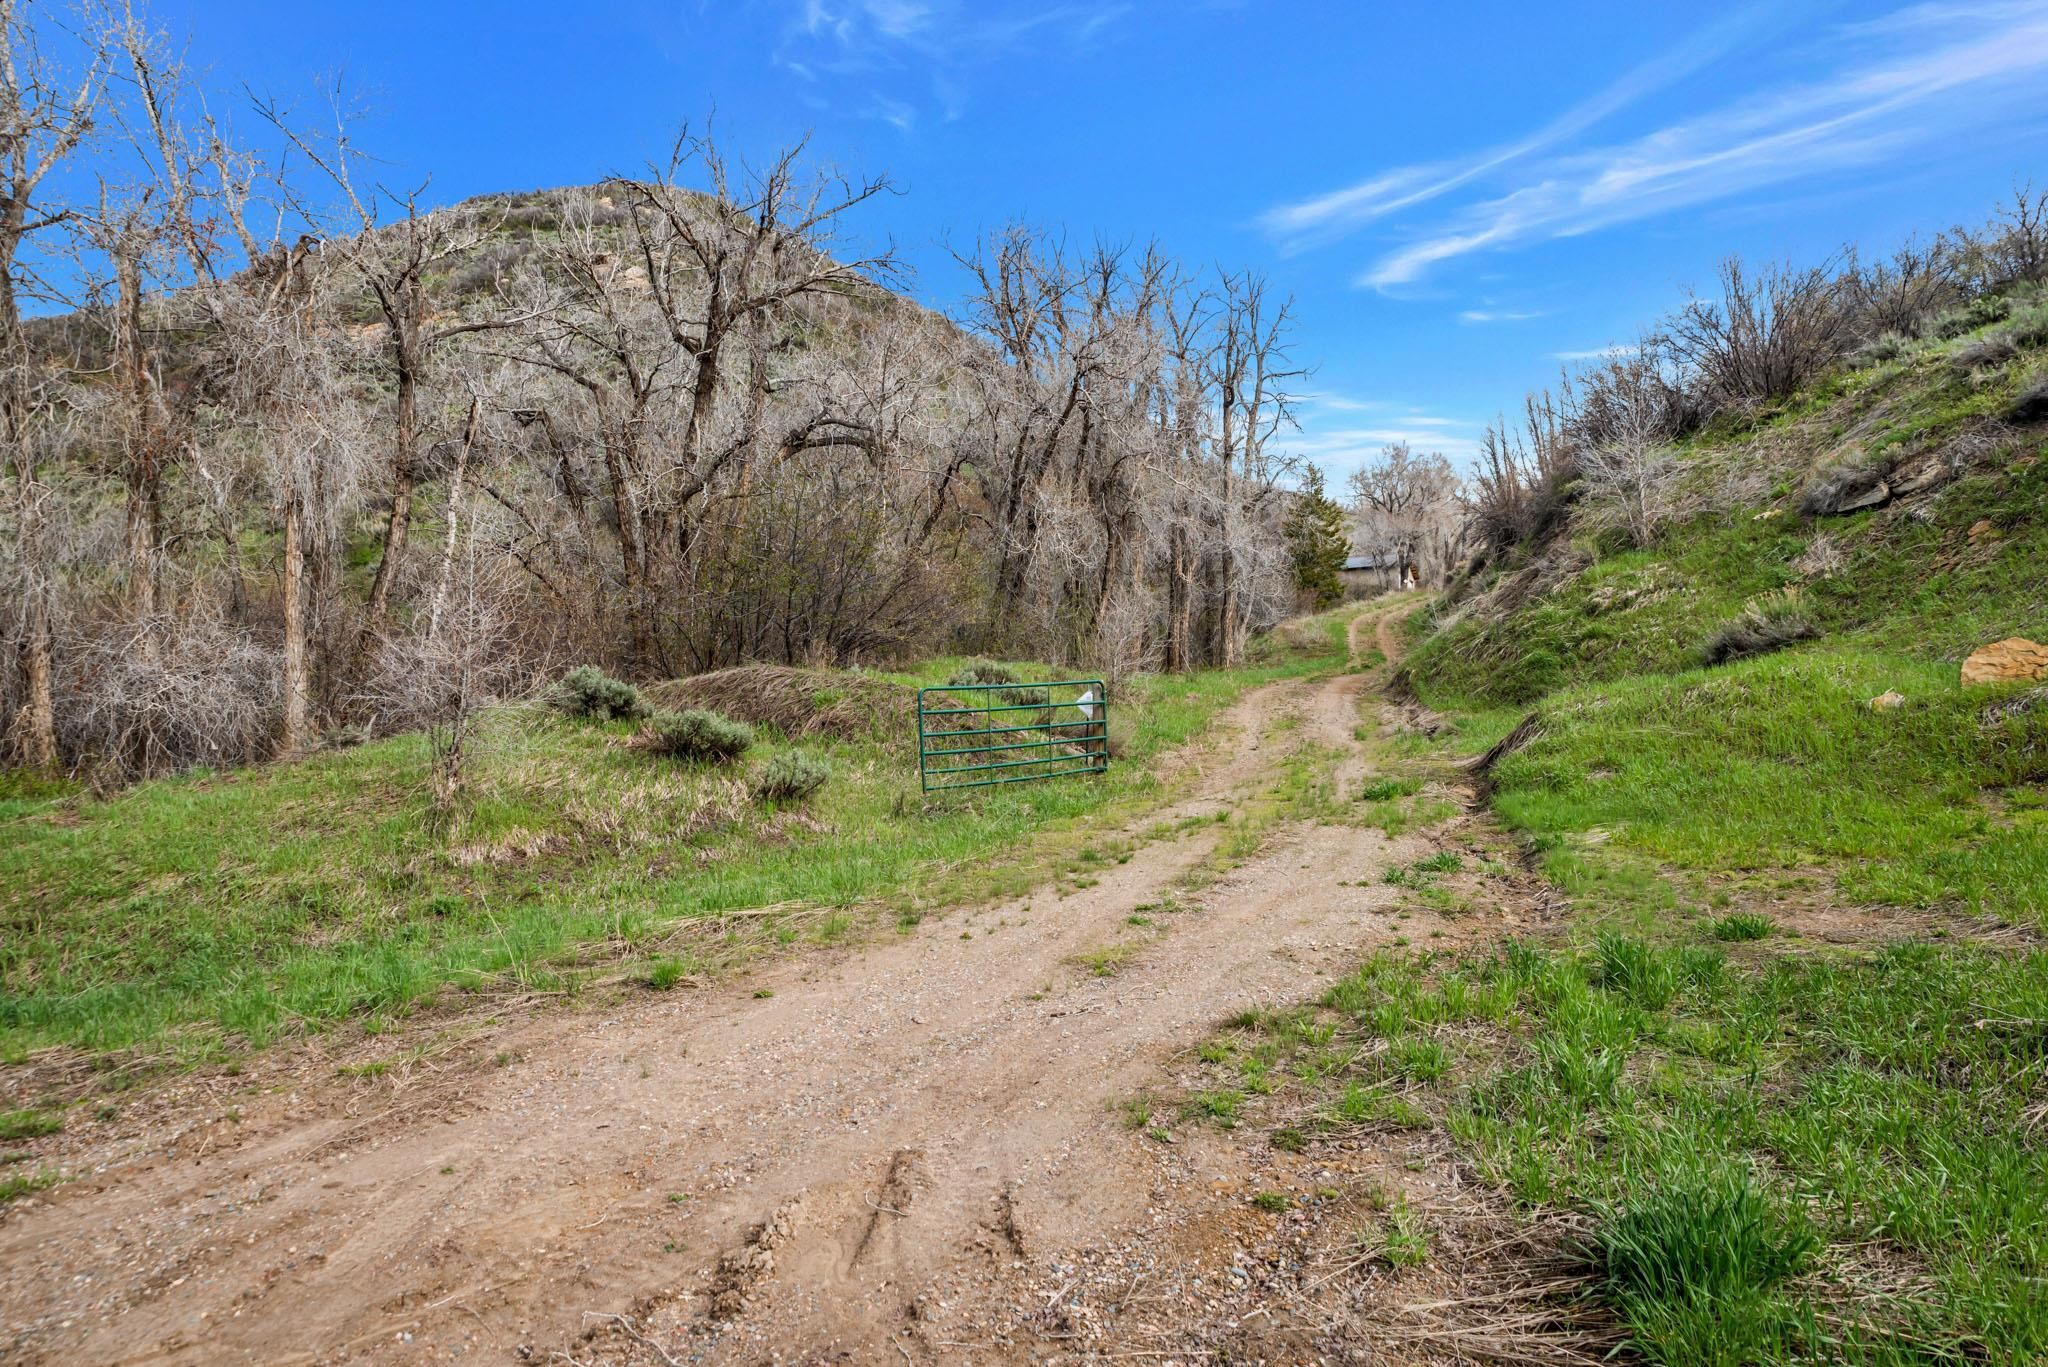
x=294, y=455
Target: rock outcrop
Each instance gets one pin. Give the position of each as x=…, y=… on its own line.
x=2013, y=660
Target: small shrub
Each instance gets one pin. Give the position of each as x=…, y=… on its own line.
x=1273, y=1202
x=587, y=691
x=982, y=672
x=695, y=734
x=1743, y=925
x=2029, y=327
x=1984, y=352
x=790, y=777
x=1878, y=351
x=1756, y=633
x=1980, y=312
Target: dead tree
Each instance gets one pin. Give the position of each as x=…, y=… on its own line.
x=47, y=108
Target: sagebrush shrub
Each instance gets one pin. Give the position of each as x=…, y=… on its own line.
x=790, y=777
x=587, y=691
x=695, y=734
x=1878, y=350
x=983, y=672
x=1993, y=349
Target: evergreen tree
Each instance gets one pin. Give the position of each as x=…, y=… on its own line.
x=1317, y=540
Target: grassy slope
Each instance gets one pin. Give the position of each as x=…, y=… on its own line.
x=1785, y=1150
x=214, y=911
x=1779, y=762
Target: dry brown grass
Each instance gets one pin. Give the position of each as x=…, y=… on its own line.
x=798, y=702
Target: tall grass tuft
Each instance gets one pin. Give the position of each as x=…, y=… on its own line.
x=1691, y=1266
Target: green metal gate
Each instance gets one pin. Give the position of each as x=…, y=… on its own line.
x=973, y=735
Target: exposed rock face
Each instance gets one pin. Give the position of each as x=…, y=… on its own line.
x=2012, y=660
x=1846, y=488
x=1930, y=473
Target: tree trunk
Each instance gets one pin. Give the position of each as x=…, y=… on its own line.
x=37, y=724
x=455, y=491
x=399, y=523
x=297, y=728
x=141, y=475
x=1179, y=617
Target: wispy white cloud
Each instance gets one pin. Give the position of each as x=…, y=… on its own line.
x=1498, y=315
x=936, y=39
x=1339, y=439
x=1905, y=82
x=1602, y=353
x=1328, y=216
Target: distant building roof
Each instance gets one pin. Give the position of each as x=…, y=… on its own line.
x=1366, y=562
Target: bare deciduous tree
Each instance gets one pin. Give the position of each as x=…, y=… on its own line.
x=47, y=107
x=1409, y=506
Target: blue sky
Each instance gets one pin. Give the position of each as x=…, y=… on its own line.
x=1460, y=196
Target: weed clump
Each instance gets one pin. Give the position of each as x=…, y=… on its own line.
x=29, y=1124
x=1743, y=925
x=1756, y=632
x=1694, y=1263
x=1387, y=789
x=666, y=973
x=587, y=691
x=790, y=777
x=695, y=734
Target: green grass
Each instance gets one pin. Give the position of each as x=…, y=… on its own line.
x=1779, y=763
x=1792, y=1158
x=29, y=1124
x=1907, y=586
x=213, y=912
x=1742, y=925
x=13, y=1186
x=1784, y=1152
x=1807, y=1159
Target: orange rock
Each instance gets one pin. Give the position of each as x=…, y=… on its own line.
x=1888, y=702
x=2015, y=658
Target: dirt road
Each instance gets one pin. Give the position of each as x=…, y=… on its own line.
x=789, y=1167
